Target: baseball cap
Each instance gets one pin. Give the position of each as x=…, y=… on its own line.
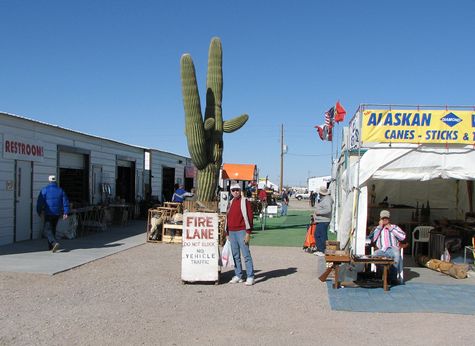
x=384, y=213
x=235, y=186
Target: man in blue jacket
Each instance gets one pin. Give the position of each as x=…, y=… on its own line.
x=52, y=203
x=179, y=194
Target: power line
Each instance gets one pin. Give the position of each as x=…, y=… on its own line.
x=308, y=154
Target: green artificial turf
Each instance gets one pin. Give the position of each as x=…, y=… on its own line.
x=287, y=230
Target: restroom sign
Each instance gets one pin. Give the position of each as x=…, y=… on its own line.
x=200, y=238
x=18, y=148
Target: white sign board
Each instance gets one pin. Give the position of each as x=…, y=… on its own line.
x=354, y=137
x=199, y=254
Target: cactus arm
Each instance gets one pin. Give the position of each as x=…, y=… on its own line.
x=214, y=81
x=214, y=96
x=194, y=128
x=209, y=124
x=235, y=124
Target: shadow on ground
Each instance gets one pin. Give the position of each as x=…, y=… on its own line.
x=104, y=239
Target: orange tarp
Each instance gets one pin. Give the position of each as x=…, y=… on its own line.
x=236, y=171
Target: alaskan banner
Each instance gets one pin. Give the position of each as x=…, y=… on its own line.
x=418, y=126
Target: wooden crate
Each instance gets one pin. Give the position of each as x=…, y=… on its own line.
x=172, y=233
x=172, y=240
x=196, y=206
x=153, y=212
x=332, y=245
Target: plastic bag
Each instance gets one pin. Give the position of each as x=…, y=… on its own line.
x=227, y=259
x=445, y=256
x=67, y=228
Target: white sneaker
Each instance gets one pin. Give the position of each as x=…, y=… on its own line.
x=250, y=281
x=55, y=247
x=319, y=253
x=236, y=280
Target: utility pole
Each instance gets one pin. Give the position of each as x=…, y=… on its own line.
x=281, y=157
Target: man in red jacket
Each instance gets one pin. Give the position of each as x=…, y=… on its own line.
x=238, y=229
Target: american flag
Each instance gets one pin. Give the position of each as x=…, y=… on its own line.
x=329, y=117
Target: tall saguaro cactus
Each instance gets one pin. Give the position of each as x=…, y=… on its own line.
x=205, y=136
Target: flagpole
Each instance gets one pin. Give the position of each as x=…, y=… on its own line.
x=331, y=154
x=281, y=157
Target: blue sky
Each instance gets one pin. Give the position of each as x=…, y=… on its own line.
x=111, y=67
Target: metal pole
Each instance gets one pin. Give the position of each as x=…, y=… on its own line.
x=281, y=157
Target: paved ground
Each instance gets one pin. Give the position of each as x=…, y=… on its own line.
x=137, y=297
x=32, y=256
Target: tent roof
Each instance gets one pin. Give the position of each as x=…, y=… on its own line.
x=422, y=163
x=236, y=171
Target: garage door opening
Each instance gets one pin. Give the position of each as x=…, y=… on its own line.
x=168, y=182
x=74, y=177
x=125, y=182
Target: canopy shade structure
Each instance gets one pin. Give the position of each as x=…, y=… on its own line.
x=403, y=165
x=236, y=171
x=409, y=176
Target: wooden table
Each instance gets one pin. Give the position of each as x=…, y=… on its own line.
x=384, y=261
x=89, y=218
x=335, y=261
x=120, y=214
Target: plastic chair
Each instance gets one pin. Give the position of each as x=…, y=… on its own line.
x=422, y=236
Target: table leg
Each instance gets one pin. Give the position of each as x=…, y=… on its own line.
x=385, y=277
x=336, y=283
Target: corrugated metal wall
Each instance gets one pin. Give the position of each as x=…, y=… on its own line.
x=102, y=153
x=159, y=160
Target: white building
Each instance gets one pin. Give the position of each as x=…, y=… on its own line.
x=266, y=183
x=90, y=169
x=314, y=183
x=169, y=169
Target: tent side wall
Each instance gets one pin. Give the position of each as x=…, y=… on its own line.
x=409, y=178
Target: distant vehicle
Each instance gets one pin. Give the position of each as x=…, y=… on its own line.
x=301, y=196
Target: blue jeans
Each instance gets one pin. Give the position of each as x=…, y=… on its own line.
x=394, y=253
x=321, y=235
x=237, y=246
x=283, y=210
x=49, y=228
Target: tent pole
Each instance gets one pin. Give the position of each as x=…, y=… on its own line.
x=357, y=187
x=470, y=194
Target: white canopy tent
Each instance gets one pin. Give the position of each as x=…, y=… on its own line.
x=408, y=175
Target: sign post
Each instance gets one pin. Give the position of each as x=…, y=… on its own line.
x=199, y=255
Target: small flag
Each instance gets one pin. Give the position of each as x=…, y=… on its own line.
x=339, y=112
x=329, y=116
x=325, y=132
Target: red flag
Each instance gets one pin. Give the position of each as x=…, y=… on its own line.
x=339, y=112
